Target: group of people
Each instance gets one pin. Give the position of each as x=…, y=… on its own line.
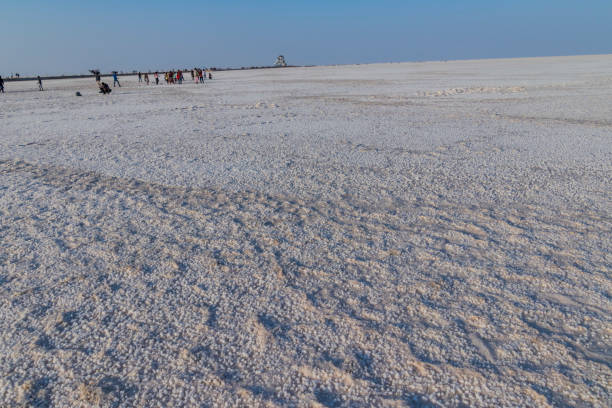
x=172, y=77
x=38, y=78
x=176, y=77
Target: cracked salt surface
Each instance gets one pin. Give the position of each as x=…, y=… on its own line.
x=430, y=234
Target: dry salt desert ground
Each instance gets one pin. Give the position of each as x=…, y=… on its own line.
x=420, y=234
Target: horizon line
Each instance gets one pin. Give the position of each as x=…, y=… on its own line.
x=254, y=67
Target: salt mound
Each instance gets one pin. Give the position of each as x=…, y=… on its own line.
x=480, y=90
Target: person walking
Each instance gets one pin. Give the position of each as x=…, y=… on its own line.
x=115, y=79
x=146, y=78
x=1, y=84
x=139, y=77
x=156, y=78
x=40, y=87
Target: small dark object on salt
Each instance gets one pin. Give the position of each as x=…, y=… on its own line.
x=78, y=94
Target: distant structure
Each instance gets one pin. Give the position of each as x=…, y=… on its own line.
x=280, y=61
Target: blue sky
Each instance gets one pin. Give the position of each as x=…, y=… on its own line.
x=68, y=36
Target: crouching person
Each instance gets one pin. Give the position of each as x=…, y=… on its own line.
x=104, y=88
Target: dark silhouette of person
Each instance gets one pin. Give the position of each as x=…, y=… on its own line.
x=104, y=88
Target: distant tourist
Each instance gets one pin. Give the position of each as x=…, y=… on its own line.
x=209, y=75
x=1, y=84
x=201, y=76
x=139, y=77
x=40, y=87
x=146, y=78
x=115, y=79
x=156, y=78
x=104, y=88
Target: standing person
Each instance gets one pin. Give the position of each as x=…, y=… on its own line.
x=40, y=87
x=156, y=78
x=192, y=74
x=179, y=76
x=209, y=75
x=1, y=84
x=115, y=79
x=201, y=76
x=139, y=77
x=146, y=78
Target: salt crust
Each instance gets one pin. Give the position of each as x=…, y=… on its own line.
x=432, y=234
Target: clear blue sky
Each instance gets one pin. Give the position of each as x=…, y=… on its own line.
x=70, y=36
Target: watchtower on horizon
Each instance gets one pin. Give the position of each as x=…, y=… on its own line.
x=280, y=61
